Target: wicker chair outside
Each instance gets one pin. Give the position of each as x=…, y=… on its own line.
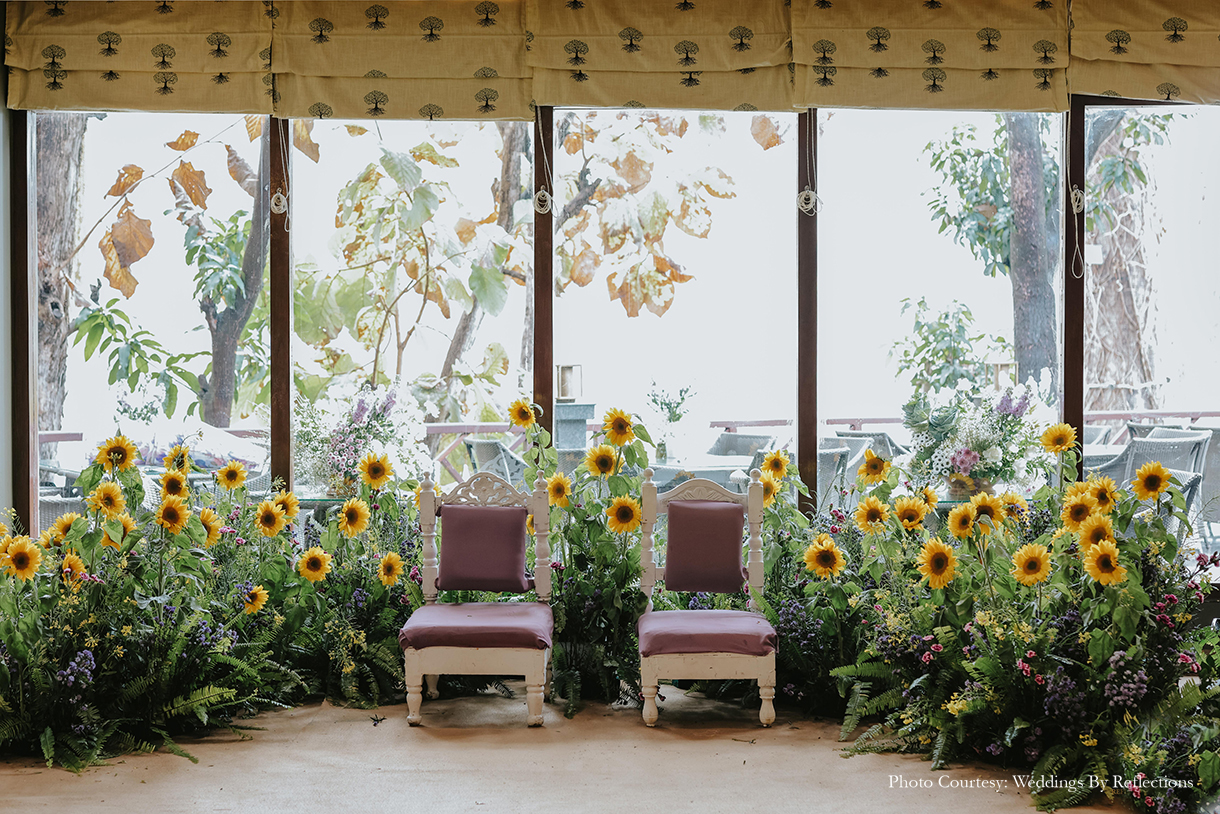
x=735, y=443
x=494, y=457
x=883, y=444
x=1095, y=433
x=1205, y=436
x=845, y=474
x=1138, y=430
x=830, y=469
x=1209, y=490
x=1173, y=453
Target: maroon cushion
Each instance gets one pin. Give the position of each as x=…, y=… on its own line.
x=705, y=631
x=479, y=624
x=483, y=548
x=703, y=552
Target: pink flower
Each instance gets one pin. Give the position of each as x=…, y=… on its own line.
x=1038, y=679
x=835, y=529
x=1148, y=801
x=1140, y=776
x=936, y=648
x=1171, y=599
x=927, y=657
x=1029, y=654
x=928, y=638
x=877, y=608
x=1184, y=658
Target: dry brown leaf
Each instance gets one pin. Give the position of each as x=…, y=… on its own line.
x=303, y=140
x=254, y=126
x=184, y=142
x=465, y=229
x=584, y=266
x=128, y=177
x=764, y=131
x=572, y=143
x=634, y=170
x=188, y=213
x=355, y=130
x=670, y=269
x=240, y=172
x=119, y=277
x=132, y=236
x=193, y=183
x=987, y=210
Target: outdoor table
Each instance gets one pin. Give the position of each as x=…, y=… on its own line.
x=717, y=468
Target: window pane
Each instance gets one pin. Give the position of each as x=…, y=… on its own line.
x=152, y=313
x=413, y=261
x=939, y=271
x=675, y=263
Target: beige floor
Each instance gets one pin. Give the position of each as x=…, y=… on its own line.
x=476, y=755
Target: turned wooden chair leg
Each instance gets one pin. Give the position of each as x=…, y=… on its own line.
x=648, y=686
x=415, y=698
x=430, y=681
x=766, y=691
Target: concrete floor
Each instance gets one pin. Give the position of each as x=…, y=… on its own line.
x=476, y=755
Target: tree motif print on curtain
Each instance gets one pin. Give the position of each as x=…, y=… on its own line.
x=376, y=14
x=431, y=25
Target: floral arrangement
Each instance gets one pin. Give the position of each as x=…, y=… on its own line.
x=334, y=434
x=992, y=438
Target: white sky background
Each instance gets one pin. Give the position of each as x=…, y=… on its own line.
x=731, y=332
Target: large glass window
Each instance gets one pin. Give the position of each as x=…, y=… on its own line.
x=675, y=266
x=152, y=293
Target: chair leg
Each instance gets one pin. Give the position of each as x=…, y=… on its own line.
x=766, y=714
x=648, y=686
x=430, y=682
x=415, y=698
x=548, y=688
x=533, y=702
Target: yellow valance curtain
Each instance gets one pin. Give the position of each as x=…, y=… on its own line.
x=701, y=54
x=164, y=56
x=1154, y=49
x=948, y=54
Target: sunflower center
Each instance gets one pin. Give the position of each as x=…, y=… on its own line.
x=21, y=560
x=625, y=513
x=939, y=561
x=874, y=516
x=910, y=516
x=351, y=516
x=1102, y=498
x=1060, y=440
x=387, y=568
x=269, y=519
x=826, y=559
x=1032, y=566
x=1152, y=483
x=1105, y=564
x=1097, y=536
x=314, y=564
x=964, y=522
x=620, y=425
x=986, y=511
x=171, y=516
x=375, y=471
x=1080, y=511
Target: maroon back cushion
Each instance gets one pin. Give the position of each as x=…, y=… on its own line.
x=704, y=548
x=483, y=548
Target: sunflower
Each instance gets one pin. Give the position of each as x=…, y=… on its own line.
x=521, y=413
x=776, y=462
x=354, y=517
x=72, y=568
x=1014, y=505
x=255, y=598
x=937, y=562
x=601, y=460
x=289, y=503
x=269, y=518
x=108, y=499
x=231, y=475
x=173, y=483
x=1077, y=509
x=1150, y=480
x=116, y=453
x=390, y=569
x=624, y=514
x=3, y=530
x=129, y=525
x=910, y=511
x=961, y=520
x=990, y=508
x=60, y=528
x=1101, y=563
x=179, y=459
x=376, y=470
x=558, y=489
x=1059, y=438
x=419, y=490
x=929, y=497
x=211, y=525
x=1080, y=487
x=824, y=558
x=314, y=564
x=5, y=541
x=871, y=515
x=529, y=524
x=770, y=487
x=173, y=514
x=23, y=558
x=874, y=469
x=1103, y=491
x=1031, y=564
x=1097, y=528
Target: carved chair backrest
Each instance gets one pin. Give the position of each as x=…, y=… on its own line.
x=699, y=489
x=486, y=489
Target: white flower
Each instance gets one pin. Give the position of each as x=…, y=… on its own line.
x=993, y=455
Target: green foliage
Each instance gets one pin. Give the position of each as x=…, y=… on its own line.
x=943, y=349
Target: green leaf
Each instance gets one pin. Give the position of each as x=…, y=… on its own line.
x=490, y=288
x=422, y=208
x=1209, y=769
x=402, y=168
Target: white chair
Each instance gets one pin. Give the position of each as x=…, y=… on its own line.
x=483, y=537
x=703, y=553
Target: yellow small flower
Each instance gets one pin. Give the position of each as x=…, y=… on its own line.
x=618, y=427
x=521, y=413
x=874, y=469
x=314, y=564
x=624, y=514
x=255, y=599
x=1014, y=505
x=269, y=519
x=770, y=487
x=1104, y=492
x=116, y=453
x=173, y=514
x=289, y=503
x=1031, y=564
x=1101, y=563
x=558, y=489
x=1076, y=510
x=937, y=562
x=910, y=511
x=179, y=458
x=173, y=483
x=1150, y=480
x=107, y=499
x=375, y=470
x=354, y=517
x=988, y=512
x=961, y=520
x=824, y=558
x=231, y=475
x=929, y=497
x=601, y=460
x=390, y=569
x=871, y=515
x=23, y=558
x=1088, y=739
x=1059, y=438
x=776, y=462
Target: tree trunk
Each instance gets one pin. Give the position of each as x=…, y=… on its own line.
x=60, y=148
x=1031, y=266
x=226, y=326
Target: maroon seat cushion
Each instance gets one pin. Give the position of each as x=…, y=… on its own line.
x=479, y=624
x=706, y=631
x=703, y=552
x=483, y=548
